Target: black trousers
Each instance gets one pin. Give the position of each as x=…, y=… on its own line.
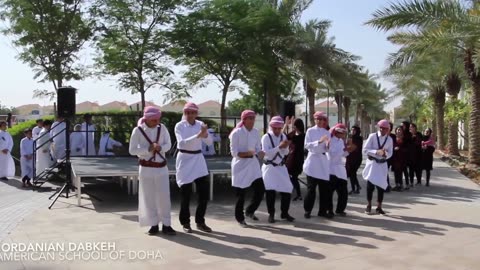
x=185, y=194
x=296, y=183
x=325, y=195
x=340, y=186
x=354, y=178
x=428, y=176
x=258, y=191
x=284, y=202
x=398, y=177
x=370, y=189
x=415, y=170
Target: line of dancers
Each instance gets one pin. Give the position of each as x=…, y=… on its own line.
x=280, y=154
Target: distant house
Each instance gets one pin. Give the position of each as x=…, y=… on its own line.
x=138, y=105
x=175, y=106
x=87, y=106
x=323, y=106
x=115, y=106
x=32, y=112
x=29, y=109
x=209, y=108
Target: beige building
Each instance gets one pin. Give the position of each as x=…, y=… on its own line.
x=87, y=106
x=174, y=106
x=115, y=106
x=209, y=108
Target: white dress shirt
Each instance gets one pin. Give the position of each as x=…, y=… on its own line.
x=190, y=166
x=375, y=172
x=316, y=165
x=245, y=170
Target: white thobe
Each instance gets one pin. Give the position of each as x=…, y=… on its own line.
x=275, y=177
x=316, y=165
x=59, y=142
x=36, y=131
x=106, y=145
x=190, y=167
x=77, y=144
x=89, y=136
x=44, y=159
x=335, y=154
x=26, y=160
x=376, y=173
x=209, y=149
x=245, y=170
x=7, y=166
x=154, y=192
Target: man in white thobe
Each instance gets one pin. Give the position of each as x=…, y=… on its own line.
x=77, y=142
x=43, y=143
x=149, y=141
x=57, y=133
x=337, y=151
x=107, y=144
x=191, y=166
x=36, y=130
x=317, y=167
x=378, y=148
x=209, y=149
x=7, y=166
x=245, y=147
x=89, y=134
x=274, y=172
x=26, y=159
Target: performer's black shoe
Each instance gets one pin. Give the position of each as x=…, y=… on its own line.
x=406, y=187
x=243, y=224
x=342, y=214
x=187, y=228
x=271, y=219
x=203, y=227
x=351, y=192
x=330, y=215
x=153, y=230
x=287, y=217
x=380, y=211
x=168, y=230
x=368, y=209
x=427, y=184
x=252, y=216
x=389, y=188
x=4, y=178
x=307, y=215
x=357, y=191
x=419, y=183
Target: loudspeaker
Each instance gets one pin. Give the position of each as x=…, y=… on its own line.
x=66, y=101
x=287, y=108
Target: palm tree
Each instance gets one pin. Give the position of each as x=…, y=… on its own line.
x=440, y=26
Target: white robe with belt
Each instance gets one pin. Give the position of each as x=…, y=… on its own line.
x=106, y=145
x=36, y=131
x=89, y=138
x=335, y=154
x=26, y=150
x=190, y=167
x=245, y=170
x=77, y=144
x=376, y=173
x=209, y=149
x=316, y=165
x=59, y=142
x=7, y=165
x=275, y=177
x=154, y=204
x=44, y=159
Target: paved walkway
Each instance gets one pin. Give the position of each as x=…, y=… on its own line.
x=426, y=228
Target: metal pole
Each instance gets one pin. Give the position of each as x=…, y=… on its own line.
x=306, y=103
x=328, y=104
x=265, y=123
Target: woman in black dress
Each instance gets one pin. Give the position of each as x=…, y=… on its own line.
x=296, y=155
x=399, y=158
x=428, y=148
x=354, y=159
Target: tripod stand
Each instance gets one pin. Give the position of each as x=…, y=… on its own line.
x=67, y=187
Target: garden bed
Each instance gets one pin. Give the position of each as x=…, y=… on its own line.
x=461, y=164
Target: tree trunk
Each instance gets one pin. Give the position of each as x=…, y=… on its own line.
x=311, y=101
x=142, y=97
x=273, y=99
x=474, y=125
x=438, y=94
x=346, y=104
x=223, y=120
x=454, y=84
